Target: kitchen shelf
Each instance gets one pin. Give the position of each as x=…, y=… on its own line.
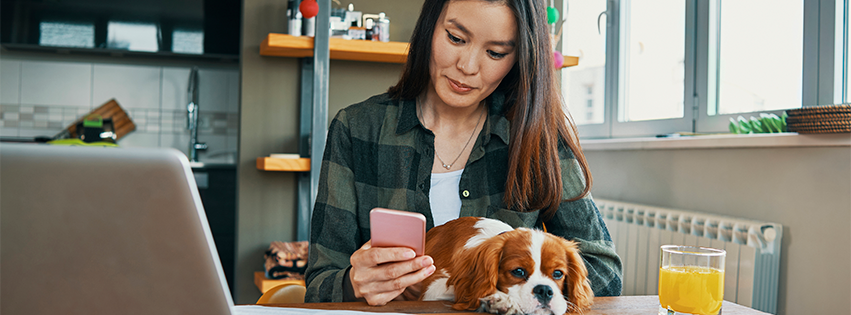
x=570, y=61
x=283, y=45
x=283, y=165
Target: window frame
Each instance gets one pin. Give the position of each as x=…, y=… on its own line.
x=719, y=123
x=659, y=126
x=818, y=72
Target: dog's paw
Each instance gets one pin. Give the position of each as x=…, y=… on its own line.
x=499, y=303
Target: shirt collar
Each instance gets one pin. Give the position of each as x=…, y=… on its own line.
x=496, y=123
x=407, y=119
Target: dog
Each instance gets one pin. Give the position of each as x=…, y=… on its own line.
x=485, y=265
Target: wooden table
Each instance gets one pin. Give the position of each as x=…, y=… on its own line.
x=641, y=304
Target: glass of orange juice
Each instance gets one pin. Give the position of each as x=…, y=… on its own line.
x=691, y=280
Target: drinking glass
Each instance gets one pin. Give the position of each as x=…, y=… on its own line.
x=691, y=280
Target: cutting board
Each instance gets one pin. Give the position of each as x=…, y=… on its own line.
x=121, y=122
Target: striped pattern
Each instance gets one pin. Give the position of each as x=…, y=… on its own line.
x=53, y=119
x=379, y=155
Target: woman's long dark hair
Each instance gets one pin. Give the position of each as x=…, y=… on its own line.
x=535, y=107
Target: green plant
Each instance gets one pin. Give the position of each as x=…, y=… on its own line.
x=766, y=123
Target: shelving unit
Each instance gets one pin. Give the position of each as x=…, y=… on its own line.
x=315, y=55
x=284, y=45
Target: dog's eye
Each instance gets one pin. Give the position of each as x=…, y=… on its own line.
x=558, y=274
x=519, y=272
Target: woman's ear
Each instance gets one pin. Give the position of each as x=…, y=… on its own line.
x=577, y=288
x=475, y=274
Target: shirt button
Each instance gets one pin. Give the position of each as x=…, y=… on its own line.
x=465, y=193
x=422, y=186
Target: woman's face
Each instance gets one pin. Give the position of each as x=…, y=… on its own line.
x=473, y=48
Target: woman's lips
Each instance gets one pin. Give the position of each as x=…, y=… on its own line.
x=458, y=86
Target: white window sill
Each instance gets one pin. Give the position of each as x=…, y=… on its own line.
x=720, y=141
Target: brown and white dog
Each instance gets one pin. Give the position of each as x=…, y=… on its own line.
x=486, y=265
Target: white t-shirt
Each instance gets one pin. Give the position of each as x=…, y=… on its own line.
x=444, y=197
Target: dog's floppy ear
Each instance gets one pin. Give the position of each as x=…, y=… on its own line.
x=577, y=288
x=475, y=273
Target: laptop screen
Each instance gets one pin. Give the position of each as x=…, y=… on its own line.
x=86, y=230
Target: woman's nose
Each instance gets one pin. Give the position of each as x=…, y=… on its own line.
x=467, y=62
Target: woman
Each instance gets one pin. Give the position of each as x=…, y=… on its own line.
x=475, y=127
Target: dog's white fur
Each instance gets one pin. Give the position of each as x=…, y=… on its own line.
x=474, y=238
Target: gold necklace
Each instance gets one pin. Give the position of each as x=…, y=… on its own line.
x=447, y=167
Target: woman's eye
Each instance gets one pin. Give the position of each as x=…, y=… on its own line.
x=557, y=274
x=496, y=55
x=453, y=38
x=519, y=272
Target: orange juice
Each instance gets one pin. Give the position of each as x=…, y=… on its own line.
x=691, y=289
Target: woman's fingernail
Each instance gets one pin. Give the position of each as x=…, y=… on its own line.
x=428, y=261
x=410, y=254
x=430, y=270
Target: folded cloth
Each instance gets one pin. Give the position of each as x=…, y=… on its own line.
x=286, y=260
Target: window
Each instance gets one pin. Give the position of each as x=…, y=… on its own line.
x=66, y=34
x=689, y=66
x=585, y=38
x=841, y=28
x=652, y=54
x=135, y=36
x=842, y=82
x=757, y=55
x=188, y=41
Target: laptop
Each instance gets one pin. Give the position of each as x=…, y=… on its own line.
x=88, y=230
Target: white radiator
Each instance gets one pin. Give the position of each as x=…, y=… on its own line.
x=753, y=249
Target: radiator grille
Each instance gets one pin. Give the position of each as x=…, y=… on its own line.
x=753, y=248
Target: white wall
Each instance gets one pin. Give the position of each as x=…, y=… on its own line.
x=42, y=94
x=805, y=188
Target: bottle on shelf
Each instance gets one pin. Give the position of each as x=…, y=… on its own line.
x=294, y=18
x=370, y=29
x=384, y=26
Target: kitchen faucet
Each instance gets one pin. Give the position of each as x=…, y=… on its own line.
x=192, y=116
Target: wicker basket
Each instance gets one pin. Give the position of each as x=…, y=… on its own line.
x=820, y=119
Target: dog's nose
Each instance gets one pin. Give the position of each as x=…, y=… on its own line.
x=543, y=293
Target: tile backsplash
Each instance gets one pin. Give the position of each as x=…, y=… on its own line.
x=41, y=98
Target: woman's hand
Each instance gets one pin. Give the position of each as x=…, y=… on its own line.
x=381, y=274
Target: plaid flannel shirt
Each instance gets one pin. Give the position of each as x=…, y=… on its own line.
x=378, y=154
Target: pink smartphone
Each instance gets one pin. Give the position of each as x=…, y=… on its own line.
x=394, y=228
